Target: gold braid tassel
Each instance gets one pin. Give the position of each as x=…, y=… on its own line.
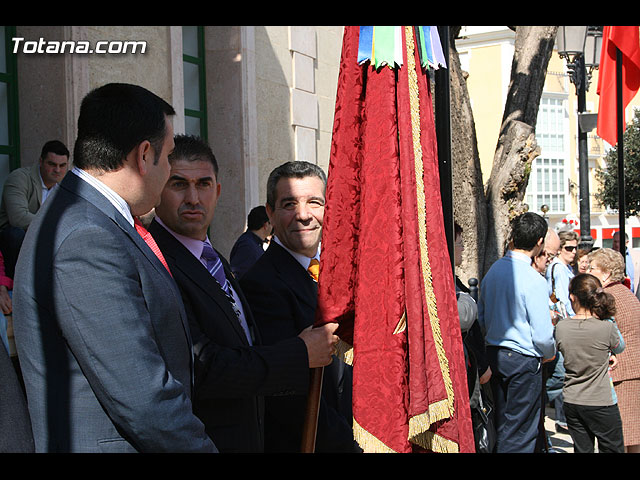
x=438, y=411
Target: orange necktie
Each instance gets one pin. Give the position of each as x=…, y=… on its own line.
x=314, y=269
x=148, y=238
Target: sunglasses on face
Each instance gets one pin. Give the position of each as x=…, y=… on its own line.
x=570, y=248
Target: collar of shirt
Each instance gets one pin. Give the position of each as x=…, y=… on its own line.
x=302, y=259
x=518, y=256
x=115, y=199
x=193, y=245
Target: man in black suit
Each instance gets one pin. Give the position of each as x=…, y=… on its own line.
x=249, y=246
x=233, y=370
x=283, y=298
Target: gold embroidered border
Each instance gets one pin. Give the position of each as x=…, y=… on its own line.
x=429, y=440
x=368, y=442
x=424, y=251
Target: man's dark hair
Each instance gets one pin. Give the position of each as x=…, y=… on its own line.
x=296, y=169
x=527, y=229
x=257, y=217
x=114, y=119
x=54, y=146
x=192, y=149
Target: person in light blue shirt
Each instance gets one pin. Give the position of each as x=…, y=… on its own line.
x=560, y=272
x=513, y=311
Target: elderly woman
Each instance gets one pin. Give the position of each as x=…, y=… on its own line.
x=608, y=266
x=581, y=263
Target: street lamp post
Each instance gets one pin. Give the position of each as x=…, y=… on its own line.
x=580, y=46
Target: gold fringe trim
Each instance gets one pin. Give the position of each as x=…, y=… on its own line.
x=421, y=423
x=344, y=351
x=436, y=443
x=424, y=251
x=402, y=324
x=428, y=440
x=368, y=442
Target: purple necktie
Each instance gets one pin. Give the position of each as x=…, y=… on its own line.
x=214, y=265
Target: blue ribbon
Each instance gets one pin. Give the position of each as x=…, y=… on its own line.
x=365, y=44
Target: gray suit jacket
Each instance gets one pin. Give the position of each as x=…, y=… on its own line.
x=21, y=197
x=101, y=333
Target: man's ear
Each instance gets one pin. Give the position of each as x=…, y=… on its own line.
x=143, y=156
x=269, y=210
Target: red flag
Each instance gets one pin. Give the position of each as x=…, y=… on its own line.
x=626, y=39
x=385, y=272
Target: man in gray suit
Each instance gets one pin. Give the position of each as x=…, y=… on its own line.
x=101, y=332
x=25, y=190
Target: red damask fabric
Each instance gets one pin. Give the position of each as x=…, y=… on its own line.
x=409, y=387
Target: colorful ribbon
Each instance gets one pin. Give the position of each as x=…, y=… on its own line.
x=382, y=45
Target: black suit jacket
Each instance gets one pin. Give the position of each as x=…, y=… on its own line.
x=283, y=298
x=231, y=377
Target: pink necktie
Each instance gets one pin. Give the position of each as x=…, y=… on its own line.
x=148, y=238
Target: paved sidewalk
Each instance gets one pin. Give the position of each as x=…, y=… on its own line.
x=560, y=441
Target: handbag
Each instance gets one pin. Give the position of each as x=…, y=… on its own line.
x=558, y=305
x=484, y=430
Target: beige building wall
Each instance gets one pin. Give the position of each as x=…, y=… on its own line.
x=270, y=97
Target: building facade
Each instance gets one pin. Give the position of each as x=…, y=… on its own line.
x=261, y=95
x=486, y=54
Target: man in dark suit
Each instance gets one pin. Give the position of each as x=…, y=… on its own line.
x=100, y=328
x=249, y=246
x=283, y=298
x=233, y=369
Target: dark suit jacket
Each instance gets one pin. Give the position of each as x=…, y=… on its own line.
x=15, y=425
x=283, y=298
x=231, y=376
x=101, y=333
x=245, y=252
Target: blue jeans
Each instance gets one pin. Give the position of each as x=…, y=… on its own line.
x=3, y=331
x=516, y=383
x=4, y=324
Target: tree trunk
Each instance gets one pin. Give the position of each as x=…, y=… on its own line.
x=469, y=205
x=485, y=214
x=517, y=146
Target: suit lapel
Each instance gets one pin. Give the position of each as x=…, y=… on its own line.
x=81, y=188
x=37, y=181
x=294, y=275
x=182, y=260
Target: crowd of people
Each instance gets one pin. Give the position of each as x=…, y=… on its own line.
x=561, y=327
x=134, y=334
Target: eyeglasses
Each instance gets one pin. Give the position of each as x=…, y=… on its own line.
x=569, y=248
x=550, y=256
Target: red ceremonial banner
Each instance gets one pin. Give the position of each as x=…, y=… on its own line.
x=385, y=272
x=626, y=39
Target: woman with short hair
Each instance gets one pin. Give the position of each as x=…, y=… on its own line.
x=608, y=266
